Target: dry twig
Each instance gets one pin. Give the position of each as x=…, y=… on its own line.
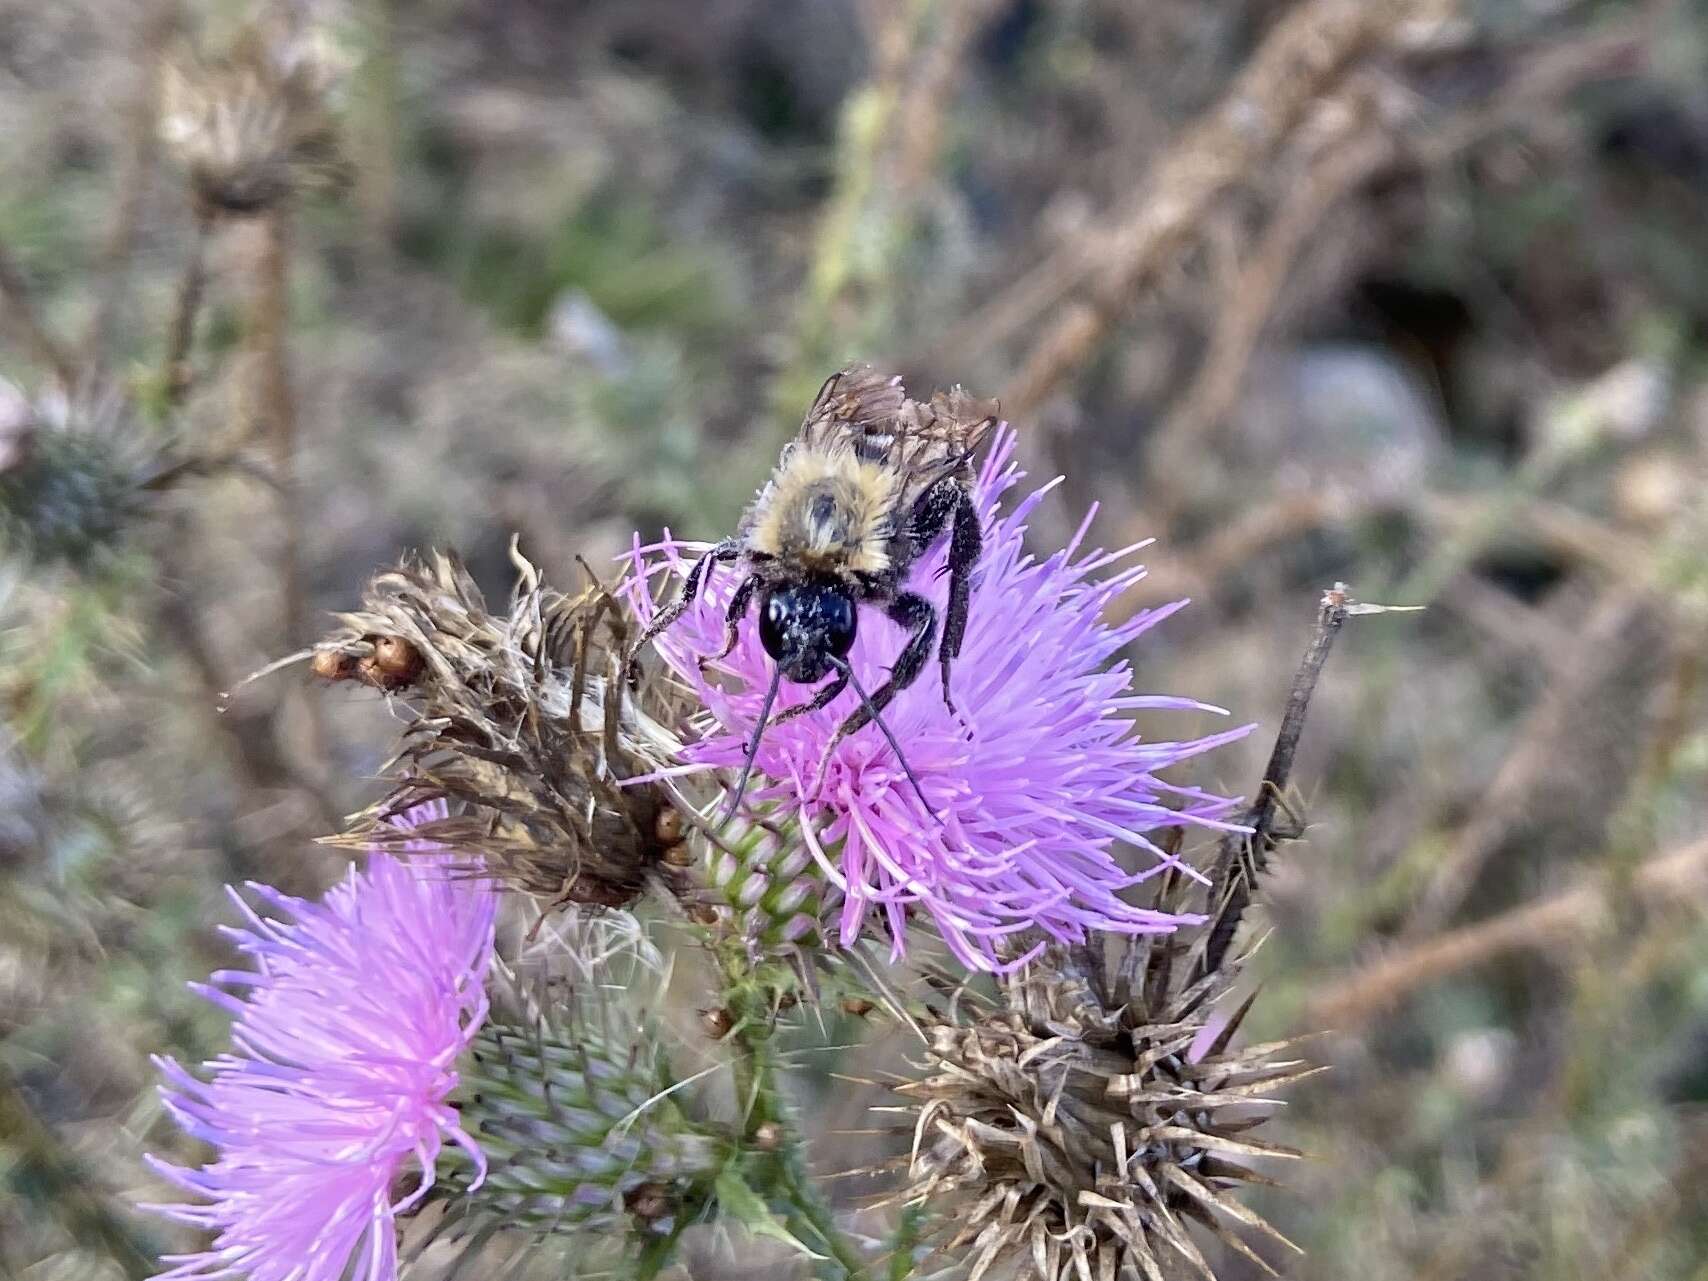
x=1302, y=56
x=175, y=370
x=1527, y=765
x=141, y=146
x=1669, y=879
x=1546, y=76
x=1242, y=856
x=20, y=314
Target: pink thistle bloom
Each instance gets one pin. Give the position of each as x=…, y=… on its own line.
x=1030, y=787
x=343, y=1056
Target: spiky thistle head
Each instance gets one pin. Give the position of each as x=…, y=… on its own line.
x=571, y=1097
x=333, y=1106
x=522, y=721
x=1036, y=797
x=252, y=126
x=75, y=473
x=1086, y=1123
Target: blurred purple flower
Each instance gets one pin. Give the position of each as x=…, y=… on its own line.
x=334, y=1096
x=1029, y=789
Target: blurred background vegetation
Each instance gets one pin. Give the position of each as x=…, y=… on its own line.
x=1407, y=293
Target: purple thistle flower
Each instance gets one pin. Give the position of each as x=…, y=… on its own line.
x=1030, y=788
x=343, y=1056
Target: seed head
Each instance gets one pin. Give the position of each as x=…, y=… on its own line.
x=252, y=127
x=521, y=722
x=1083, y=1124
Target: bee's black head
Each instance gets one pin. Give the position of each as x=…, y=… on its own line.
x=805, y=625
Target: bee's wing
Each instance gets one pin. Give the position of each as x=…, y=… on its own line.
x=857, y=408
x=869, y=412
x=940, y=439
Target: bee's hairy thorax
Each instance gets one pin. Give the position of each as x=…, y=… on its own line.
x=829, y=509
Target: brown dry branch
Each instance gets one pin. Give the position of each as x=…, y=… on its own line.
x=929, y=88
x=521, y=722
x=273, y=412
x=1572, y=535
x=1533, y=757
x=20, y=316
x=176, y=372
x=1668, y=880
x=1302, y=57
x=1372, y=145
x=1525, y=632
x=1242, y=856
x=1248, y=532
x=154, y=28
x=1559, y=530
x=1247, y=305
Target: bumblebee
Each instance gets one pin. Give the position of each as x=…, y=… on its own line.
x=868, y=486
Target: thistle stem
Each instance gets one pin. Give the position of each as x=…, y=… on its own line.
x=784, y=1175
x=177, y=375
x=1243, y=855
x=809, y=1208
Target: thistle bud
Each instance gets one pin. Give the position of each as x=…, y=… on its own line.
x=73, y=484
x=716, y=1023
x=766, y=876
x=577, y=1134
x=333, y=665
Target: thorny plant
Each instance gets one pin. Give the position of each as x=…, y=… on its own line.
x=467, y=1038
x=407, y=1079
x=1091, y=1115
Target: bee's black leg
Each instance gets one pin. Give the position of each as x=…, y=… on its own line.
x=823, y=698
x=948, y=503
x=738, y=604
x=724, y=552
x=966, y=542
x=913, y=612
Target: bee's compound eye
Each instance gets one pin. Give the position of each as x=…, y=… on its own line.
x=838, y=623
x=772, y=619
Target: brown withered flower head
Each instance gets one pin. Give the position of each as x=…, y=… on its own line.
x=253, y=126
x=522, y=722
x=1094, y=1118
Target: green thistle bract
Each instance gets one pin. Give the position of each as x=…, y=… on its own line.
x=578, y=1133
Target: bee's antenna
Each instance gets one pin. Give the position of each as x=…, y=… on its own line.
x=842, y=665
x=753, y=747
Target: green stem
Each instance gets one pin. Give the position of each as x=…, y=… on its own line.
x=809, y=1209
x=905, y=1239
x=655, y=1256
x=781, y=1173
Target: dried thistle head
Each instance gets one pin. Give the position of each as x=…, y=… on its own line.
x=1082, y=1125
x=253, y=126
x=523, y=723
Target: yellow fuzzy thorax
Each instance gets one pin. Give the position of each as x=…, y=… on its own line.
x=827, y=509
